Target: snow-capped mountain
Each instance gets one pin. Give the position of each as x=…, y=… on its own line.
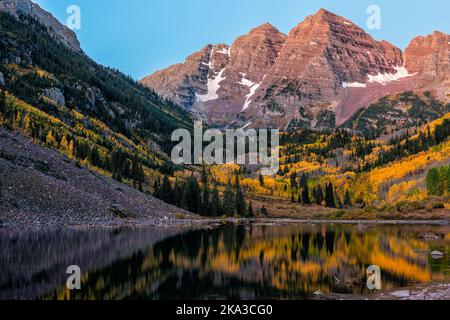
x=317, y=76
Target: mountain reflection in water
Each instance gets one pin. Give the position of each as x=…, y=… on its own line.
x=251, y=261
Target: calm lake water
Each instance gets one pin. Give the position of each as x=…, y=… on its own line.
x=232, y=261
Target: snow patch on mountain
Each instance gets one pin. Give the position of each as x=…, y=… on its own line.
x=353, y=85
x=213, y=86
x=381, y=78
x=386, y=78
x=248, y=97
x=246, y=82
x=226, y=51
x=246, y=126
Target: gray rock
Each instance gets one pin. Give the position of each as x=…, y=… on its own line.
x=437, y=254
x=2, y=79
x=429, y=236
x=401, y=293
x=56, y=95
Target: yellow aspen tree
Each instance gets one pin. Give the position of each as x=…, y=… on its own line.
x=27, y=125
x=50, y=139
x=70, y=149
x=64, y=145
x=17, y=120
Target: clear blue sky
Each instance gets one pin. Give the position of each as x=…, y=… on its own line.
x=141, y=36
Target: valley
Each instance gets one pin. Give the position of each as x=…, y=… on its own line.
x=88, y=175
x=378, y=164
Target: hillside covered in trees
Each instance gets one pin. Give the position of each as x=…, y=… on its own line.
x=99, y=119
x=387, y=158
x=400, y=173
x=94, y=115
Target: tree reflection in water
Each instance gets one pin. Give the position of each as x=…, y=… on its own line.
x=269, y=261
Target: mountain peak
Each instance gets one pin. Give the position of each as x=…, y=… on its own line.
x=319, y=72
x=27, y=7
x=322, y=12
x=326, y=15
x=428, y=56
x=265, y=27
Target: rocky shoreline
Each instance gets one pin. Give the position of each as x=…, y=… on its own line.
x=429, y=291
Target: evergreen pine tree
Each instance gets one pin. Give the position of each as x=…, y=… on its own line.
x=303, y=181
x=319, y=195
x=264, y=211
x=204, y=175
x=250, y=213
x=329, y=196
x=228, y=200
x=166, y=191
x=125, y=167
x=261, y=180
x=178, y=194
x=216, y=204
x=156, y=188
x=434, y=187
x=116, y=163
x=135, y=173
x=2, y=100
x=241, y=206
x=206, y=205
x=347, y=201
x=94, y=157
x=442, y=180
x=305, y=189
x=192, y=198
x=305, y=195
x=293, y=180
x=448, y=179
x=236, y=182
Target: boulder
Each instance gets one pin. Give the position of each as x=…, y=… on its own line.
x=56, y=95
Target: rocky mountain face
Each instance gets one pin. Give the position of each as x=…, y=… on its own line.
x=59, y=31
x=186, y=83
x=221, y=79
x=429, y=57
x=317, y=76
